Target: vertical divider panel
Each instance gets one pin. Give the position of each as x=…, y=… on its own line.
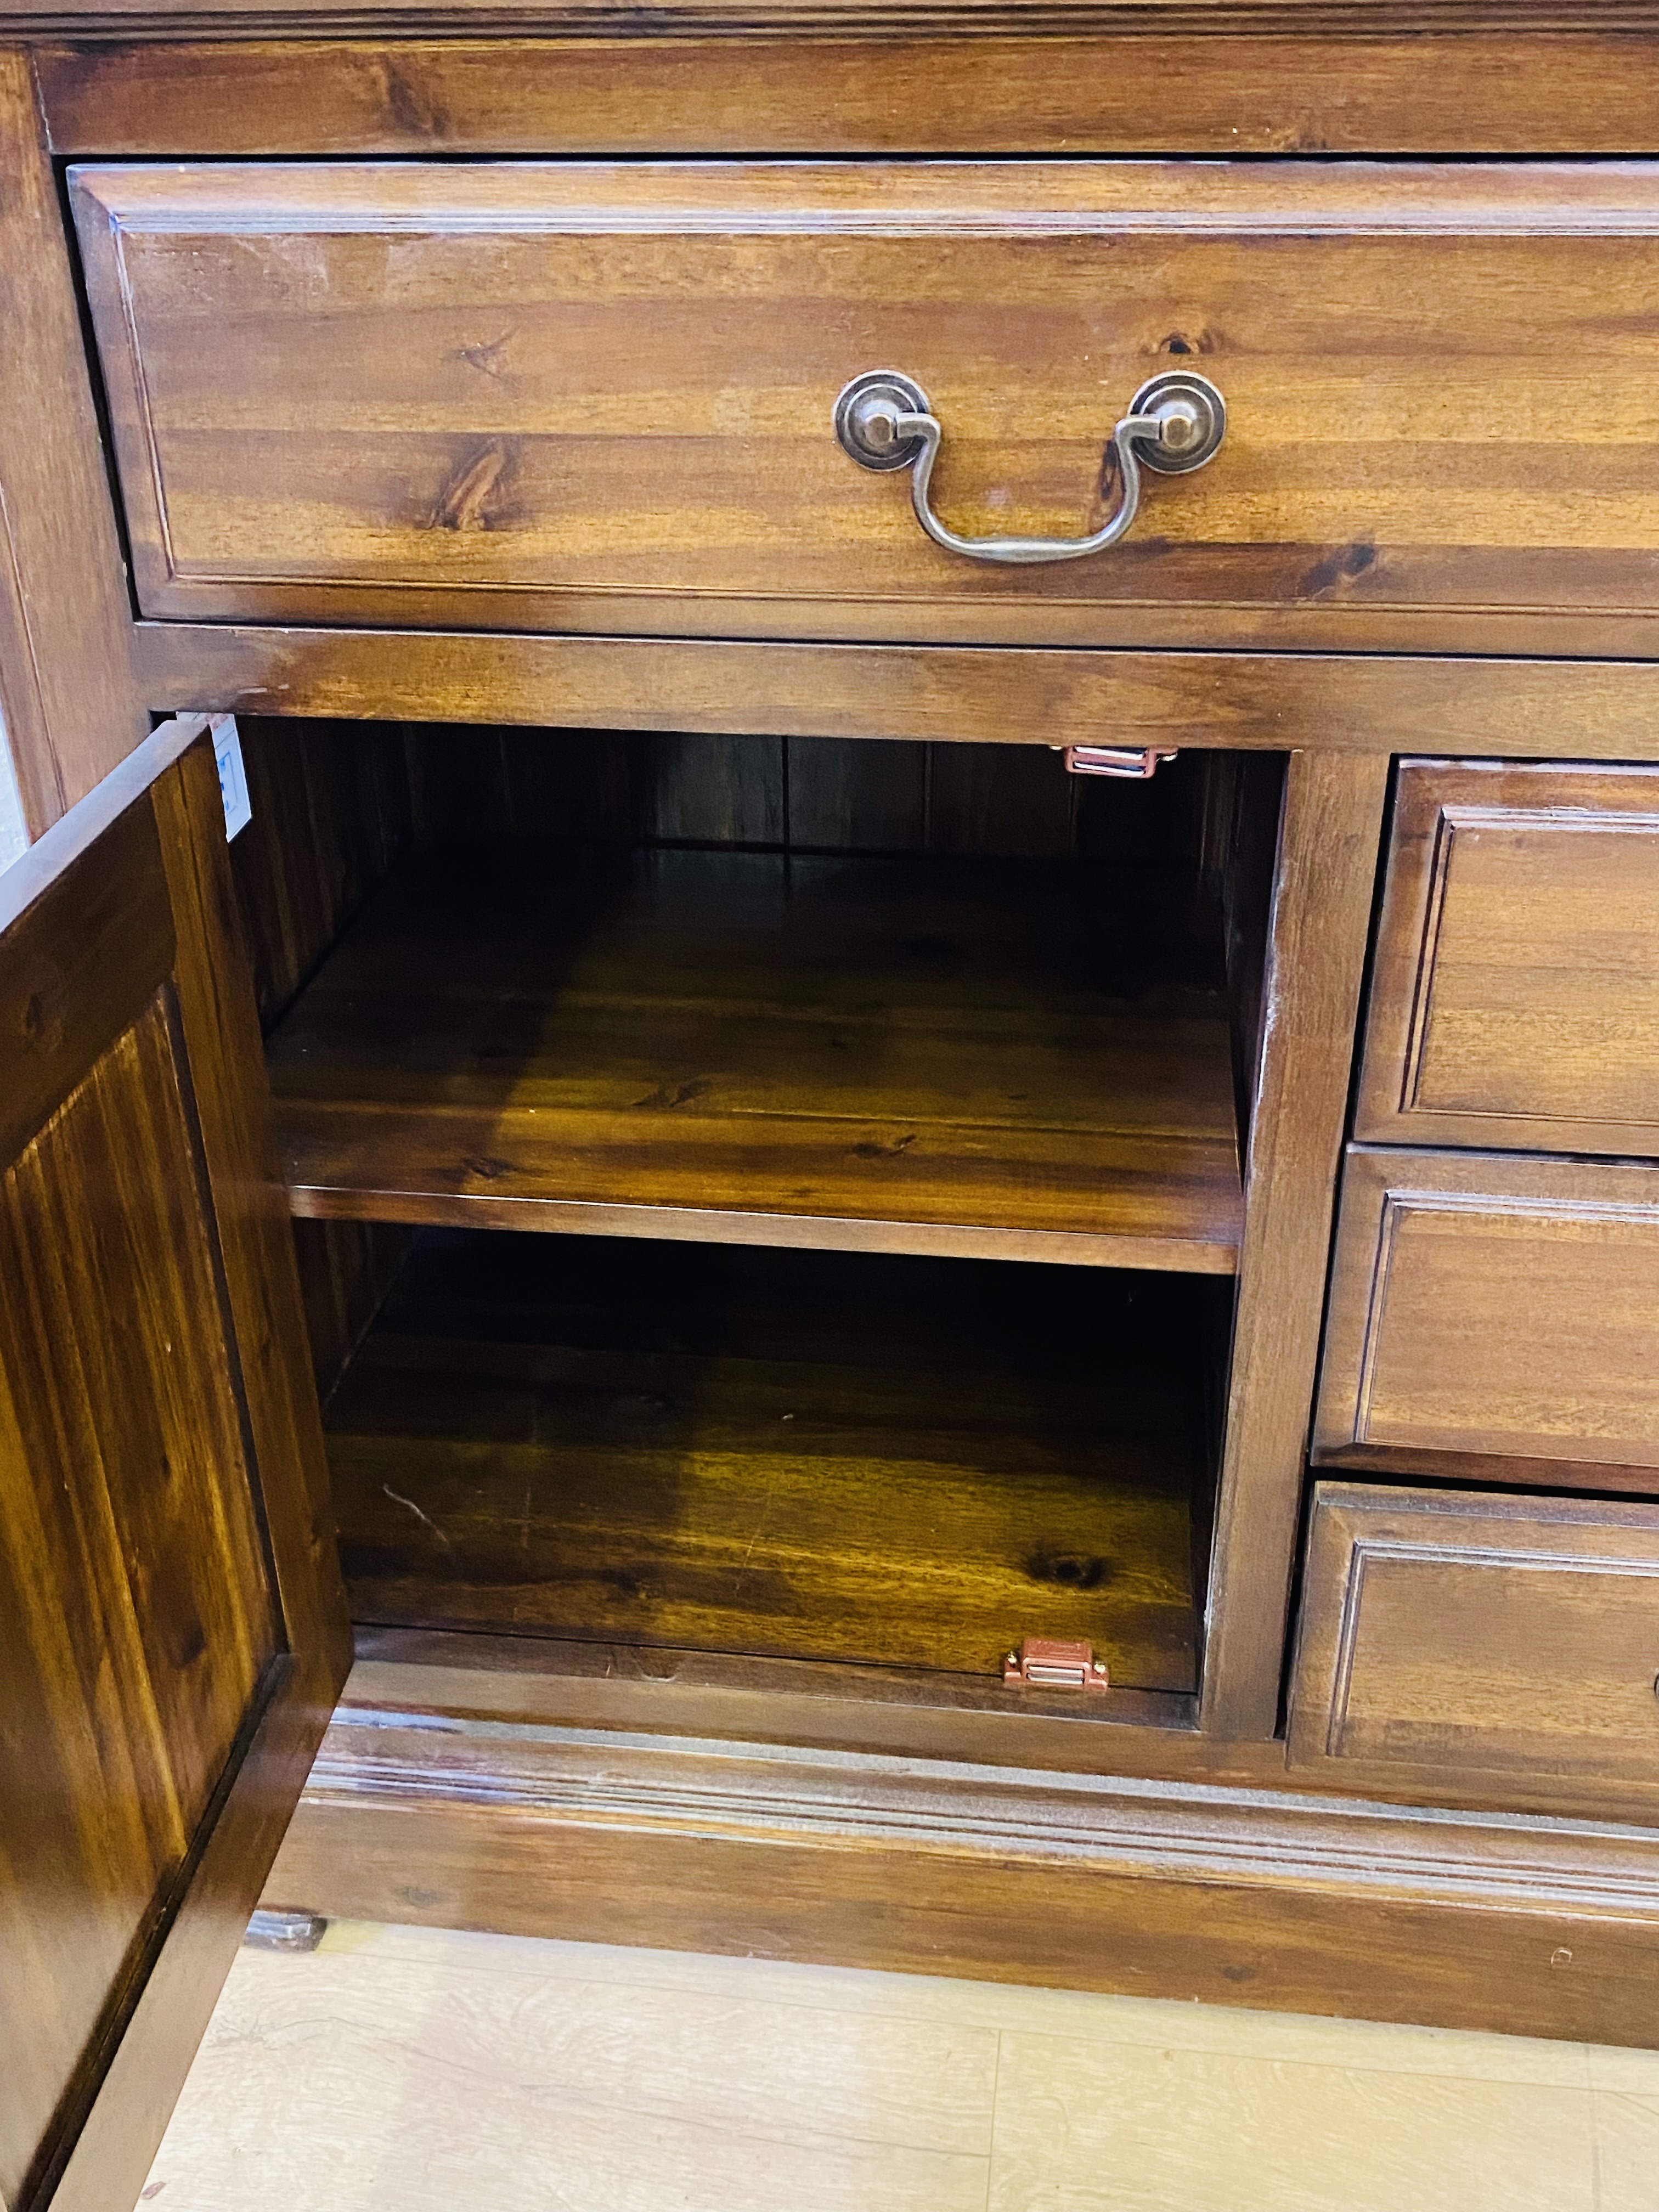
x=1330, y=836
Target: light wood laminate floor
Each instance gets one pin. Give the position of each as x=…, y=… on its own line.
x=401, y=2069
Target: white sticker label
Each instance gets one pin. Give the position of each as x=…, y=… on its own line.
x=233, y=776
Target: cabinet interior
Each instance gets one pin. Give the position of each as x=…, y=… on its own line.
x=775, y=1198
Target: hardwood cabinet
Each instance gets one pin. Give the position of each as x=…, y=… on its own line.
x=780, y=1247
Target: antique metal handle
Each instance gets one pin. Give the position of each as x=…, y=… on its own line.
x=1175, y=424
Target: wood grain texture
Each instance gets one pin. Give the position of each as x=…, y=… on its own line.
x=1515, y=995
x=1458, y=1632
x=1487, y=1303
x=556, y=1681
x=891, y=1463
x=331, y=811
x=1513, y=707
x=138, y=1623
x=1104, y=92
x=67, y=698
x=571, y=409
x=1312, y=1905
x=733, y=1046
x=171, y=1640
x=1330, y=833
x=1140, y=1735
x=1346, y=19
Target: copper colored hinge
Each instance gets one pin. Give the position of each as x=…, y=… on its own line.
x=1135, y=762
x=1047, y=1662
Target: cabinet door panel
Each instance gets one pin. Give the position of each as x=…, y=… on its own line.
x=1515, y=993
x=1483, y=1304
x=172, y=1629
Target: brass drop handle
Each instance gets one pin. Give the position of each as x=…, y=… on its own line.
x=1175, y=424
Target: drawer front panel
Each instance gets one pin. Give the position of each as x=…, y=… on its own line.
x=593, y=396
x=1461, y=1633
x=1482, y=1303
x=1515, y=993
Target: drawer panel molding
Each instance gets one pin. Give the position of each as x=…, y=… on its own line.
x=1446, y=1634
x=1482, y=1303
x=1515, y=998
x=594, y=396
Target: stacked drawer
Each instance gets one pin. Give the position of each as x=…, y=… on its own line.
x=1494, y=1315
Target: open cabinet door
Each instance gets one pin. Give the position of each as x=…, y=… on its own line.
x=172, y=1627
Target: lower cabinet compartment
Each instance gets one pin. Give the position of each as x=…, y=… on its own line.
x=896, y=1462
x=1449, y=1635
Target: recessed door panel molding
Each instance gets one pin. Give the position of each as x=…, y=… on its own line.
x=1486, y=1305
x=1515, y=993
x=600, y=396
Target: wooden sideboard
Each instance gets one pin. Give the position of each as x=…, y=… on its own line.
x=704, y=1292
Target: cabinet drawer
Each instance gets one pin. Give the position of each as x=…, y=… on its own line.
x=1486, y=1304
x=599, y=396
x=1516, y=995
x=1456, y=1634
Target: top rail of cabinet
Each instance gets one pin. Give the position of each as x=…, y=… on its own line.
x=1357, y=19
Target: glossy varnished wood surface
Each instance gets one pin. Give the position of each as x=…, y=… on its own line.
x=808, y=1455
x=68, y=707
x=1494, y=1303
x=769, y=92
x=1515, y=997
x=1330, y=831
x=572, y=409
x=1461, y=1633
x=172, y=1623
x=983, y=1057
x=1318, y=702
x=1312, y=1904
x=135, y=1626
x=1345, y=19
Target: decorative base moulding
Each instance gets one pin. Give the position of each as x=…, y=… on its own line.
x=1229, y=1896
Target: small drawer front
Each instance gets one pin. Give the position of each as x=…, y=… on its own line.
x=1484, y=1304
x=1515, y=993
x=1458, y=1634
x=596, y=396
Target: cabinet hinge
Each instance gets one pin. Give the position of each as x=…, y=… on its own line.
x=1048, y=1662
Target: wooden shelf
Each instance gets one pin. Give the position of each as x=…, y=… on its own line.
x=979, y=1058
x=807, y=1455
